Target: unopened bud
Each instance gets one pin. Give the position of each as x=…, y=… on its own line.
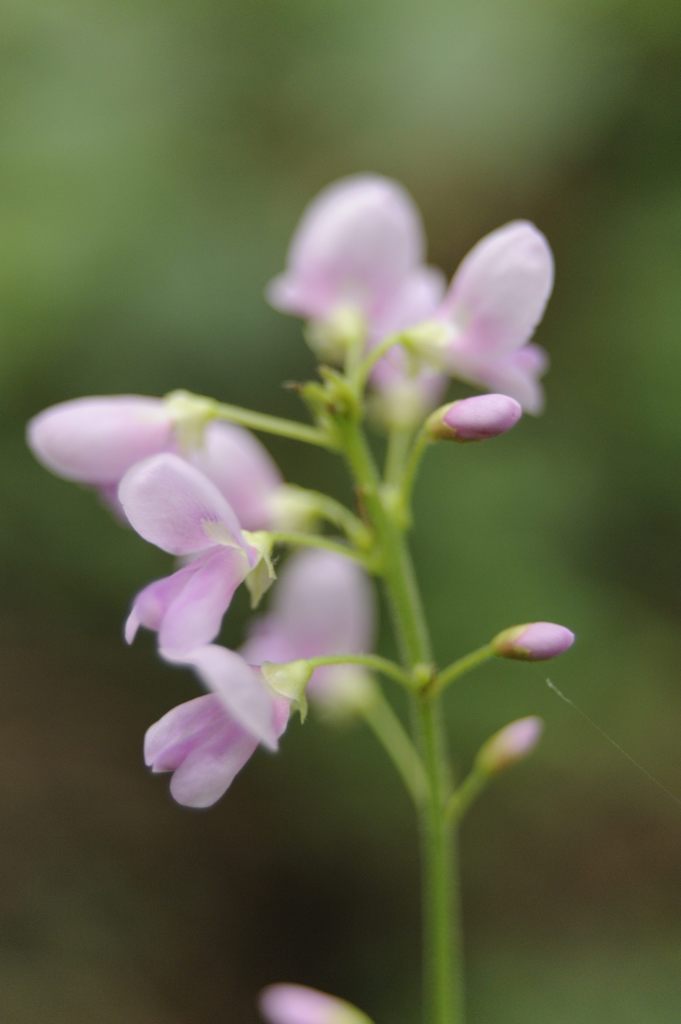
x=511, y=744
x=474, y=419
x=534, y=641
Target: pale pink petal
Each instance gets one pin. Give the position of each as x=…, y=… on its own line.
x=356, y=242
x=168, y=741
x=95, y=440
x=174, y=506
x=243, y=471
x=324, y=604
x=418, y=297
x=298, y=1004
x=500, y=291
x=244, y=694
x=209, y=770
x=515, y=374
x=194, y=616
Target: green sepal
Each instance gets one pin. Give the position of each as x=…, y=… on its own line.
x=289, y=679
x=262, y=575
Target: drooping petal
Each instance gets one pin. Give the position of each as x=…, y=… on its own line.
x=202, y=745
x=500, y=290
x=356, y=242
x=195, y=614
x=95, y=440
x=243, y=693
x=168, y=741
x=187, y=607
x=298, y=1004
x=174, y=506
x=209, y=770
x=243, y=471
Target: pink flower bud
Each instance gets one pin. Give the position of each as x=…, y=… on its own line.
x=534, y=641
x=298, y=1004
x=511, y=744
x=475, y=419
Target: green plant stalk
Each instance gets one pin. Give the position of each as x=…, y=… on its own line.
x=442, y=935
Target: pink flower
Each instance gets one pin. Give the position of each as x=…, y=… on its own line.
x=495, y=301
x=359, y=245
x=174, y=506
x=322, y=605
x=207, y=741
x=297, y=1004
x=94, y=441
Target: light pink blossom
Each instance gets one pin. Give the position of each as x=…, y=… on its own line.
x=174, y=506
x=298, y=1004
x=94, y=441
x=322, y=605
x=495, y=301
x=205, y=742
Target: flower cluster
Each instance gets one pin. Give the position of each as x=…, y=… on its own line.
x=186, y=475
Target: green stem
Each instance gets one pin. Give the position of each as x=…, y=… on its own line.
x=314, y=540
x=460, y=667
x=335, y=513
x=442, y=950
x=371, y=661
x=390, y=732
x=414, y=459
x=273, y=425
x=363, y=371
x=466, y=794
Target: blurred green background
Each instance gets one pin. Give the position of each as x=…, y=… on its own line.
x=155, y=156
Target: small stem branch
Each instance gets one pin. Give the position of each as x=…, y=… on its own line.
x=466, y=794
x=371, y=661
x=392, y=735
x=414, y=459
x=460, y=667
x=314, y=540
x=273, y=425
x=335, y=513
x=364, y=369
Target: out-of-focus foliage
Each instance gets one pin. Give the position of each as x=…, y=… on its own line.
x=155, y=157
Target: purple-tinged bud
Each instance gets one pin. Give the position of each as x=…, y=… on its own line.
x=511, y=744
x=475, y=419
x=534, y=641
x=297, y=1004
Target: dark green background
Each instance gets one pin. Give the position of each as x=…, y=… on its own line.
x=155, y=157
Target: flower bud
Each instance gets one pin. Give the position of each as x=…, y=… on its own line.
x=298, y=1004
x=511, y=744
x=474, y=419
x=534, y=641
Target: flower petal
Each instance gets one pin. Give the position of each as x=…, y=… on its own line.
x=357, y=240
x=209, y=770
x=168, y=741
x=500, y=290
x=95, y=440
x=324, y=605
x=241, y=688
x=171, y=504
x=243, y=471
